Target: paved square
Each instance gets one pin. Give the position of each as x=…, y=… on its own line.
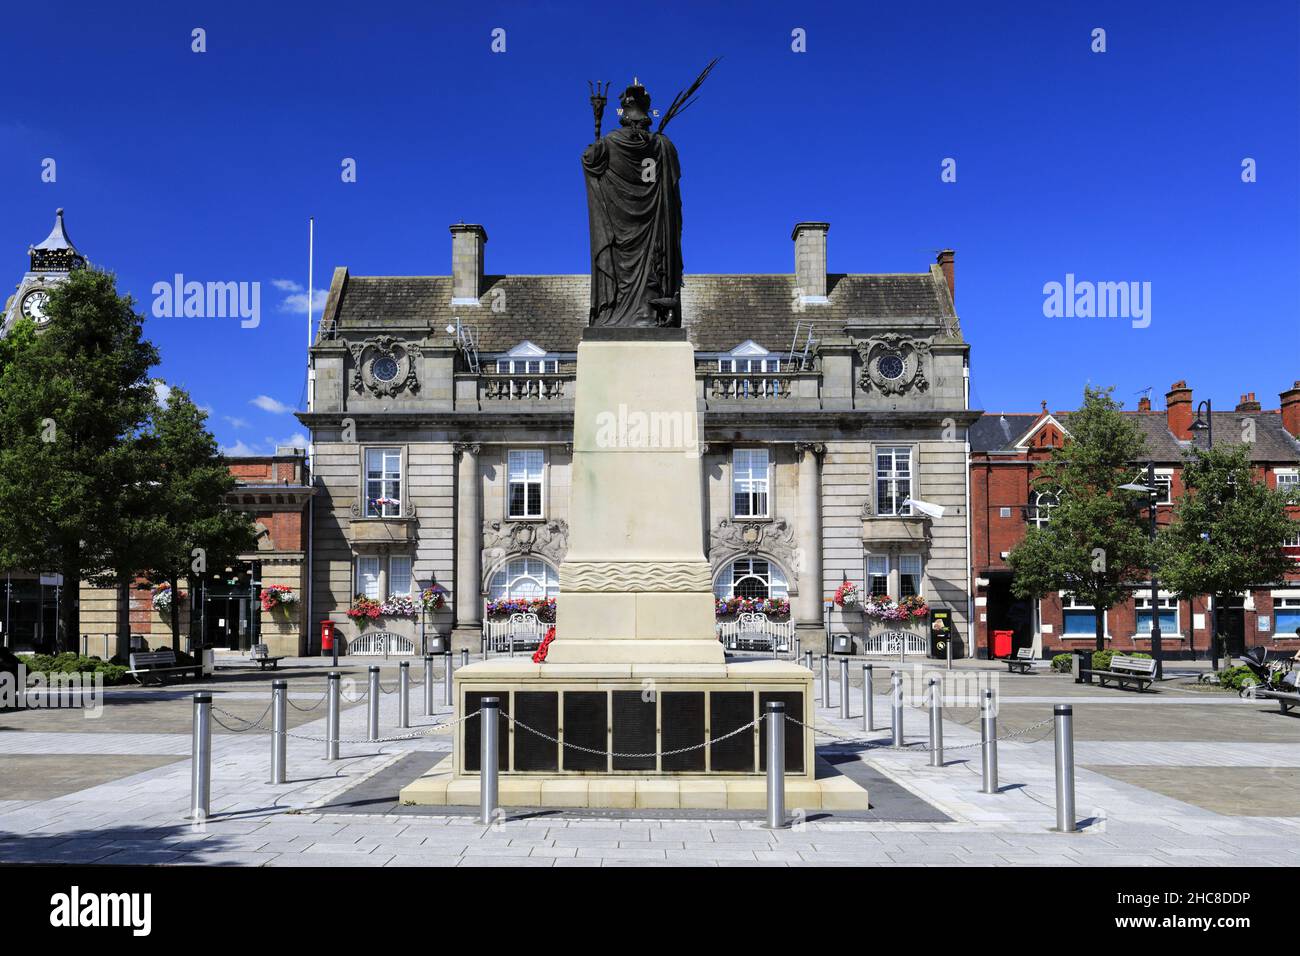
x=1180, y=775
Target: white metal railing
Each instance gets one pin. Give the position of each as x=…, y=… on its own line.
x=754, y=631
x=887, y=643
x=382, y=643
x=526, y=630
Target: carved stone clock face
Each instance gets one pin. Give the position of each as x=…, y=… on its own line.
x=384, y=368
x=34, y=306
x=890, y=365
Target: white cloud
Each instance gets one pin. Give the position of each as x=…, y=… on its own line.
x=268, y=404
x=295, y=299
x=238, y=450
x=235, y=422
x=162, y=391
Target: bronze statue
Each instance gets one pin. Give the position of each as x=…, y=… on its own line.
x=635, y=207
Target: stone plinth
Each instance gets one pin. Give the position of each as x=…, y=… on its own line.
x=635, y=583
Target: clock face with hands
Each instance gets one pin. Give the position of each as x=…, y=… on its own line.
x=890, y=365
x=384, y=368
x=34, y=306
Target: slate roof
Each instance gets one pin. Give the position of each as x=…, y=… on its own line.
x=719, y=311
x=1000, y=432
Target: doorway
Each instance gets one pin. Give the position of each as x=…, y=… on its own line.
x=1006, y=612
x=1232, y=625
x=227, y=622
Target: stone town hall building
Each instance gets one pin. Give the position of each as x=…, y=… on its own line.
x=441, y=413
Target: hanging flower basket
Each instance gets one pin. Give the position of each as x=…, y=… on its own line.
x=846, y=596
x=778, y=609
x=278, y=595
x=162, y=597
x=433, y=598
x=364, y=608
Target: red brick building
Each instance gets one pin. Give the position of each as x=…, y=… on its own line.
x=1006, y=453
x=222, y=608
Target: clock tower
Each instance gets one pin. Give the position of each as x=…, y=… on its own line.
x=50, y=263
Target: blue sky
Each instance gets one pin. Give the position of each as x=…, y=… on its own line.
x=1122, y=166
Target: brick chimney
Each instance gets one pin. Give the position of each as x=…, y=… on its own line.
x=810, y=260
x=1248, y=403
x=1290, y=400
x=467, y=242
x=1144, y=403
x=947, y=262
x=1178, y=410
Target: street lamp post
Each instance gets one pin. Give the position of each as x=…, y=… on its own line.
x=1153, y=497
x=1206, y=425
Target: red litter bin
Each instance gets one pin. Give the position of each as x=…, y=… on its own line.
x=1002, y=643
x=326, y=637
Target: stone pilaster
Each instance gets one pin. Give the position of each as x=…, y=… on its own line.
x=469, y=547
x=808, y=609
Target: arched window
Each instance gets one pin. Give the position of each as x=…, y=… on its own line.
x=1044, y=502
x=524, y=579
x=752, y=578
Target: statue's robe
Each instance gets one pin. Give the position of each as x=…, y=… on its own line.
x=636, y=229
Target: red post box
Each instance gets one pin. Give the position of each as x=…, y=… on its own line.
x=1002, y=643
x=326, y=637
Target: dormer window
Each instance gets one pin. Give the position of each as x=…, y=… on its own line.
x=748, y=358
x=527, y=359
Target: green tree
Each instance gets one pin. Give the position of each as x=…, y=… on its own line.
x=186, y=524
x=73, y=398
x=1094, y=541
x=1227, y=532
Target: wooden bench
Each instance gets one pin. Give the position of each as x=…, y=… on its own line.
x=157, y=664
x=261, y=654
x=1023, y=662
x=1127, y=670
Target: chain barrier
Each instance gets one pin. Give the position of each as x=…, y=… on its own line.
x=307, y=710
x=385, y=690
x=251, y=724
x=354, y=700
x=611, y=753
x=925, y=747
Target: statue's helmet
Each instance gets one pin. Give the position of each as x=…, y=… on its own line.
x=635, y=103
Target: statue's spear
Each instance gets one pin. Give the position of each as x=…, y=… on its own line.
x=598, y=100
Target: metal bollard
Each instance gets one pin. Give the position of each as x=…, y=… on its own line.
x=936, y=722
x=1063, y=716
x=332, y=716
x=807, y=659
x=464, y=657
x=896, y=703
x=776, y=819
x=797, y=649
x=404, y=694
x=868, y=704
x=826, y=681
x=201, y=759
x=279, y=727
x=446, y=679
x=947, y=646
x=372, y=701
x=489, y=707
x=989, y=744
x=844, y=688
x=776, y=648
x=428, y=685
